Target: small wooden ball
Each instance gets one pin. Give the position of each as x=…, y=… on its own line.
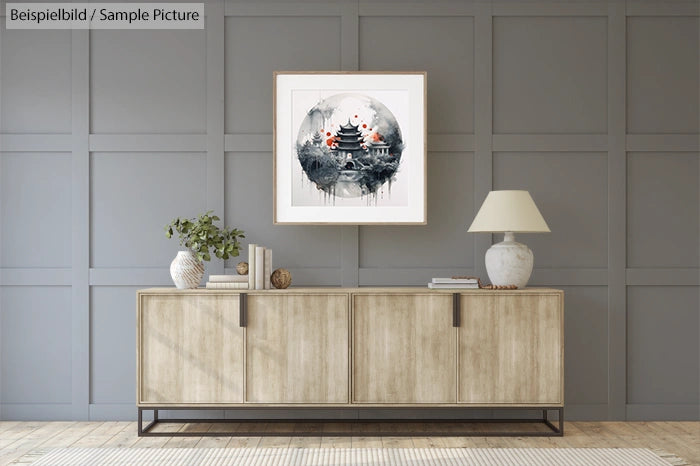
x=281, y=279
x=242, y=268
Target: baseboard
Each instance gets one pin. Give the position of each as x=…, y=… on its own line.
x=663, y=412
x=36, y=412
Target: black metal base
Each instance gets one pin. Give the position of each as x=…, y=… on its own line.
x=553, y=430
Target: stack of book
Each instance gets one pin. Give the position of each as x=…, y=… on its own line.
x=259, y=271
x=452, y=283
x=259, y=267
x=239, y=282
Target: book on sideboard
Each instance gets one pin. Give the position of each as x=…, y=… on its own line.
x=453, y=286
x=267, y=268
x=227, y=285
x=259, y=267
x=439, y=280
x=251, y=266
x=228, y=278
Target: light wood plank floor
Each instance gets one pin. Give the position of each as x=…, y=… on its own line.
x=19, y=438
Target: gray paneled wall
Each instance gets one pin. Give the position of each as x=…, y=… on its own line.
x=592, y=106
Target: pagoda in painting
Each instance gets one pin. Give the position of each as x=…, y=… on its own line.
x=349, y=144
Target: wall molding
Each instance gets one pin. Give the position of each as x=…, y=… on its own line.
x=248, y=142
x=36, y=276
x=148, y=142
x=654, y=276
x=80, y=212
x=160, y=276
x=663, y=142
x=559, y=276
x=550, y=142
x=549, y=8
x=39, y=142
x=617, y=210
x=660, y=8
x=428, y=8
x=315, y=9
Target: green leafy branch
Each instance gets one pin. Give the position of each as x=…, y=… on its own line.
x=200, y=236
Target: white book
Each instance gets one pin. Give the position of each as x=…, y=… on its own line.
x=228, y=278
x=455, y=280
x=453, y=286
x=259, y=268
x=268, y=267
x=251, y=266
x=228, y=285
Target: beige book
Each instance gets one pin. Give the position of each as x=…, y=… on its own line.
x=228, y=278
x=268, y=268
x=227, y=285
x=251, y=266
x=259, y=268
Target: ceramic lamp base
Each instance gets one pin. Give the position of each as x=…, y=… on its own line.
x=509, y=262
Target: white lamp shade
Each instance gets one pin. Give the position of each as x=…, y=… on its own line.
x=509, y=211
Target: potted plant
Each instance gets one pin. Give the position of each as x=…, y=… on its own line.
x=201, y=238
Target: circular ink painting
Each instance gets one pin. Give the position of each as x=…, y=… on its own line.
x=349, y=145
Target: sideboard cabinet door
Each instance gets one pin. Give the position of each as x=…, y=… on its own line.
x=403, y=348
x=510, y=349
x=190, y=349
x=297, y=349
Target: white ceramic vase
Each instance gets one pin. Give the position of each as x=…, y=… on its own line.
x=186, y=270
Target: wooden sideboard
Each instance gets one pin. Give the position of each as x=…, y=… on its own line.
x=350, y=347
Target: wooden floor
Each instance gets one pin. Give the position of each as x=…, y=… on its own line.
x=19, y=438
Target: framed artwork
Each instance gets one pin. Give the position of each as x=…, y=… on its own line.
x=349, y=148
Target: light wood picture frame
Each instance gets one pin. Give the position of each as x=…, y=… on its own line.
x=349, y=148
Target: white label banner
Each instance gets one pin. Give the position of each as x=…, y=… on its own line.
x=104, y=16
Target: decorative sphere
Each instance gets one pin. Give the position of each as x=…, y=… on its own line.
x=242, y=268
x=281, y=279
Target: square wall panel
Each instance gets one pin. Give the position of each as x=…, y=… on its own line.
x=35, y=344
x=113, y=344
x=663, y=80
x=444, y=241
x=663, y=201
x=663, y=352
x=571, y=191
x=248, y=201
x=148, y=81
x=586, y=344
x=133, y=197
x=35, y=207
x=550, y=75
x=257, y=46
x=36, y=80
x=445, y=50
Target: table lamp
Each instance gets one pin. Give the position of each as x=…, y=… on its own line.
x=509, y=212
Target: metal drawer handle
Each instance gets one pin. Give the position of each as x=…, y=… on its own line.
x=455, y=309
x=243, y=309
